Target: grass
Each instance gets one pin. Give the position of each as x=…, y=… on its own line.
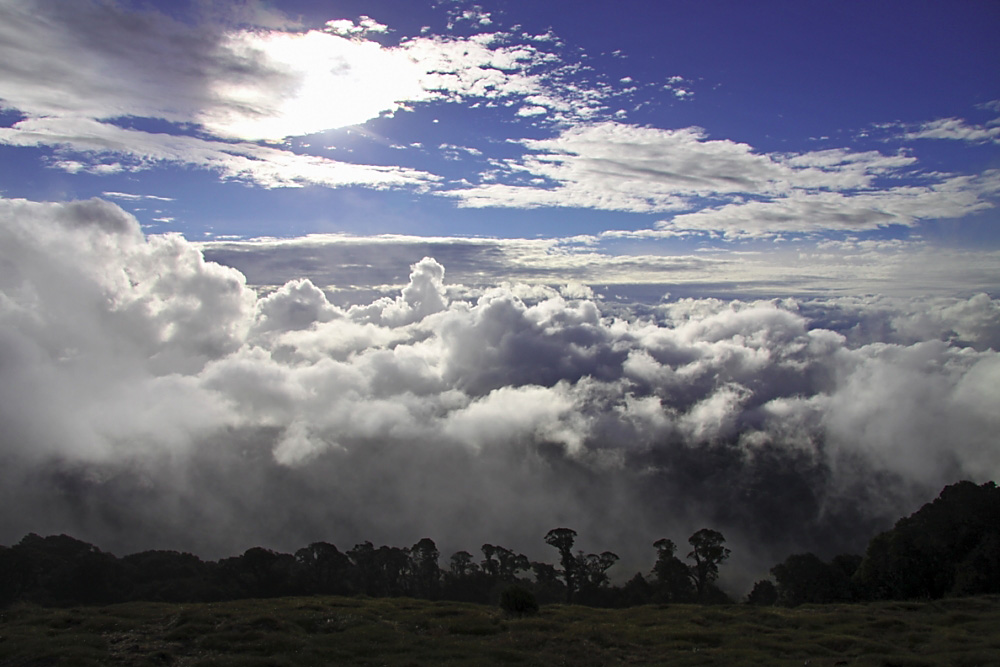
x=402, y=632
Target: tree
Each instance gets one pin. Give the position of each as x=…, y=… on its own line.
x=393, y=566
x=424, y=569
x=707, y=553
x=325, y=568
x=943, y=548
x=464, y=581
x=764, y=593
x=548, y=588
x=562, y=539
x=462, y=565
x=169, y=576
x=636, y=591
x=364, y=569
x=592, y=577
x=593, y=568
x=518, y=601
x=672, y=577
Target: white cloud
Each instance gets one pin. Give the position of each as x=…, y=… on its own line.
x=804, y=211
x=348, y=28
x=71, y=68
x=146, y=390
x=614, y=166
x=853, y=266
x=957, y=129
x=127, y=196
x=261, y=165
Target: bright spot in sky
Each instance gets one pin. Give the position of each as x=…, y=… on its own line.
x=326, y=82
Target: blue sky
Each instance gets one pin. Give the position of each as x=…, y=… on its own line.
x=648, y=129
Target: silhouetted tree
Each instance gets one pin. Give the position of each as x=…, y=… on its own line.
x=259, y=572
x=707, y=553
x=592, y=571
x=490, y=565
x=60, y=569
x=393, y=566
x=764, y=593
x=465, y=581
x=672, y=576
x=562, y=539
x=946, y=547
x=364, y=568
x=325, y=569
x=462, y=565
x=548, y=588
x=804, y=578
x=169, y=576
x=424, y=568
x=636, y=591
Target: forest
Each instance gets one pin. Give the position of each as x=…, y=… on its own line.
x=948, y=548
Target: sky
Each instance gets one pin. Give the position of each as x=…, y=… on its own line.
x=275, y=272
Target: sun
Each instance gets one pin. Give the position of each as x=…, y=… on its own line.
x=294, y=84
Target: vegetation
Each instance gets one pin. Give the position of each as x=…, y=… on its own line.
x=950, y=547
x=518, y=601
x=325, y=630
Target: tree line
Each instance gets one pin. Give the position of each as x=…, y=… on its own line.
x=951, y=546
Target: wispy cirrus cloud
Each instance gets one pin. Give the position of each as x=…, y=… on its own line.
x=803, y=211
x=620, y=167
x=957, y=129
x=89, y=145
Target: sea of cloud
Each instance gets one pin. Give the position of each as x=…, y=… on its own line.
x=150, y=398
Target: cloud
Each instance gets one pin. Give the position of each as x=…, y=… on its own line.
x=101, y=61
x=134, y=150
x=150, y=398
x=804, y=211
x=619, y=167
x=240, y=84
x=958, y=130
x=79, y=74
x=354, y=270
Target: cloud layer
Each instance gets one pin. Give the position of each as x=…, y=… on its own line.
x=150, y=398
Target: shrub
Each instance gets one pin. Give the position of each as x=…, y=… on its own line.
x=518, y=601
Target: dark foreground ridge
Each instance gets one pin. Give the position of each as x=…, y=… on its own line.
x=324, y=630
x=950, y=547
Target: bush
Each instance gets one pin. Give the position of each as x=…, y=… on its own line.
x=518, y=601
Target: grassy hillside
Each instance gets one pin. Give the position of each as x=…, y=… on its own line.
x=333, y=630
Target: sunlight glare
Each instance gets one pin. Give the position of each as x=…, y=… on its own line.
x=309, y=82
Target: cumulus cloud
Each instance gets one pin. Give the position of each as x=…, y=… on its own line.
x=349, y=266
x=150, y=398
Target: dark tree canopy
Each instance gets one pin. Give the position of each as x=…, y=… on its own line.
x=947, y=547
x=672, y=576
x=951, y=546
x=707, y=553
x=562, y=539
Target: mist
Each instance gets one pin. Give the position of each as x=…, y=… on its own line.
x=150, y=398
